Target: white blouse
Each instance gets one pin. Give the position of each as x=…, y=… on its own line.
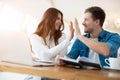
x=49, y=51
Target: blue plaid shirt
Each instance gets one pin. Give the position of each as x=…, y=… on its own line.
x=111, y=39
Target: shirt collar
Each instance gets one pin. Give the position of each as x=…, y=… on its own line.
x=102, y=34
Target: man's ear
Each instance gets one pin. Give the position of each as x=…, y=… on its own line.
x=97, y=22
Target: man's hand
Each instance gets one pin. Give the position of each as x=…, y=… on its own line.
x=77, y=29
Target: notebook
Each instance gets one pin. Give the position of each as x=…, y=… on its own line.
x=82, y=62
x=15, y=48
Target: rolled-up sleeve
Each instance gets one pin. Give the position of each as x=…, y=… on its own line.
x=74, y=52
x=113, y=44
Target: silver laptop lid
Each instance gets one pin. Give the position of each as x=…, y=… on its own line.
x=15, y=47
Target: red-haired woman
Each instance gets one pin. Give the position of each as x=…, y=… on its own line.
x=48, y=40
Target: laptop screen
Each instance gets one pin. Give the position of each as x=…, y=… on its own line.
x=15, y=47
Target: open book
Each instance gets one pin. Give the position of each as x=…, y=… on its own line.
x=82, y=62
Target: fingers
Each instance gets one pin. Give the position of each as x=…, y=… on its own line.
x=71, y=26
x=71, y=31
x=58, y=61
x=77, y=29
x=76, y=24
x=118, y=55
x=35, y=59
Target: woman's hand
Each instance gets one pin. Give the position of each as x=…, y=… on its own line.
x=71, y=31
x=118, y=53
x=35, y=59
x=58, y=61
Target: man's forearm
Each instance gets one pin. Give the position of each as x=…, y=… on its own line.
x=98, y=47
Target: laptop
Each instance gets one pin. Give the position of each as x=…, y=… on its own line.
x=15, y=48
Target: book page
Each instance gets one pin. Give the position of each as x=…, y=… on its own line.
x=86, y=59
x=82, y=62
x=69, y=59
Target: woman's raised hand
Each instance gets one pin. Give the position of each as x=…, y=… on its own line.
x=71, y=31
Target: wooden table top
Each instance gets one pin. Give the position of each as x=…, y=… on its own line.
x=60, y=72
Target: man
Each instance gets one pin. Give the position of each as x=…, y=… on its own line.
x=97, y=44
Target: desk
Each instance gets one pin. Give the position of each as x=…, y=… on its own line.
x=61, y=72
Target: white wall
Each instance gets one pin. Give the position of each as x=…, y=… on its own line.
x=32, y=7
x=70, y=9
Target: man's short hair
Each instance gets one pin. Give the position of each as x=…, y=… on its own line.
x=97, y=13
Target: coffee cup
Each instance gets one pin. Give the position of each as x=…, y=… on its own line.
x=113, y=62
x=44, y=56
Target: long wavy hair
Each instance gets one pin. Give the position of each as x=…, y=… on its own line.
x=47, y=25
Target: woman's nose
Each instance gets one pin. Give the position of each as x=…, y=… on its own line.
x=60, y=21
x=83, y=23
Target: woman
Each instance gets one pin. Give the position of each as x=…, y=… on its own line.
x=48, y=40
